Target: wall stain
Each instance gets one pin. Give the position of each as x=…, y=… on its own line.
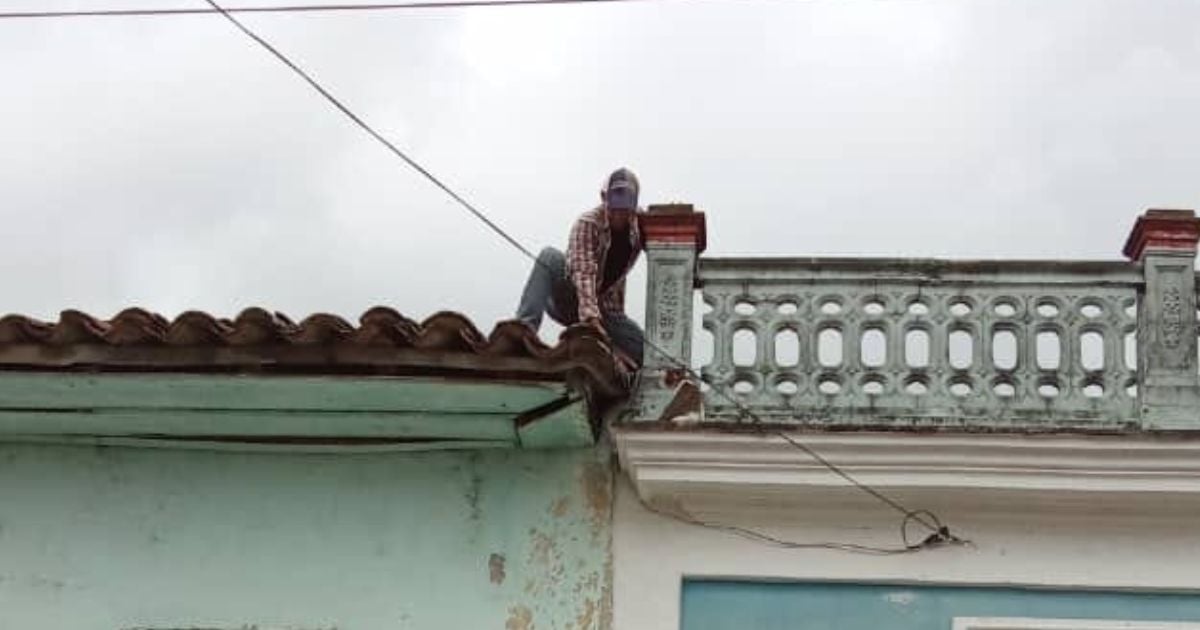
x=496, y=568
x=543, y=550
x=474, y=487
x=596, y=483
x=606, y=593
x=586, y=618
x=45, y=582
x=559, y=509
x=519, y=618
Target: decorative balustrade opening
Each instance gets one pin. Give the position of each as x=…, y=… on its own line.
x=860, y=341
x=878, y=343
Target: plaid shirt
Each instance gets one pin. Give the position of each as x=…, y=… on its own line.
x=590, y=241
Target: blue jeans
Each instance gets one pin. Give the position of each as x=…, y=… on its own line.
x=550, y=291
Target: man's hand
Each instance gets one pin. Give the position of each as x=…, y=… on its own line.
x=626, y=362
x=598, y=325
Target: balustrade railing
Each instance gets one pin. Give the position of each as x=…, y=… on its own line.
x=861, y=341
x=978, y=345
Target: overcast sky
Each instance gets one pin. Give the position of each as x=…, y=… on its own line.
x=172, y=164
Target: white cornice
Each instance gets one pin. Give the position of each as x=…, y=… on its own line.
x=718, y=472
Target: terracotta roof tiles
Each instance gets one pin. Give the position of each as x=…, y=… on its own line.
x=383, y=343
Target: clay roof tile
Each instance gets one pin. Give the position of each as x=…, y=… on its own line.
x=384, y=342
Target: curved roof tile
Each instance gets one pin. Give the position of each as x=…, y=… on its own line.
x=384, y=342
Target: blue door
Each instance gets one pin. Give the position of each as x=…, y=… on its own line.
x=725, y=605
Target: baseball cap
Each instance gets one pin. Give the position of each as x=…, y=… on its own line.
x=621, y=190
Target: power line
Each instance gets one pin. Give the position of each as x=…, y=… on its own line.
x=939, y=538
x=333, y=100
x=860, y=485
x=940, y=533
x=907, y=513
x=298, y=8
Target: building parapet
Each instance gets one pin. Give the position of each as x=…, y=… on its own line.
x=860, y=343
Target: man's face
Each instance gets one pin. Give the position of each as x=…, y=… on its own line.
x=621, y=203
x=619, y=219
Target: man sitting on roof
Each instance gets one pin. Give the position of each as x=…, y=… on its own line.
x=588, y=283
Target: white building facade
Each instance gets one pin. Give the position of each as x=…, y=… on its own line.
x=1058, y=445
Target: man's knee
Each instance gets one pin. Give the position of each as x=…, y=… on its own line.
x=551, y=258
x=636, y=349
x=627, y=336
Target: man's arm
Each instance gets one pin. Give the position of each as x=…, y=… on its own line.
x=585, y=267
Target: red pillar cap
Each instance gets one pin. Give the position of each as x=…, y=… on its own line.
x=1176, y=230
x=674, y=223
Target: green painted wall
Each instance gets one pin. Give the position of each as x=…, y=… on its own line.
x=111, y=538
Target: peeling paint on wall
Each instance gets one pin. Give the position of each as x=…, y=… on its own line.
x=519, y=618
x=567, y=582
x=596, y=482
x=513, y=540
x=587, y=618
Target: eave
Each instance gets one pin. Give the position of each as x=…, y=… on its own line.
x=289, y=413
x=260, y=381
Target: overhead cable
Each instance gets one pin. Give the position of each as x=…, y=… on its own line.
x=333, y=100
x=357, y=7
x=940, y=534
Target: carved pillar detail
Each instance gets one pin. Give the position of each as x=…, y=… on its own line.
x=1164, y=242
x=674, y=236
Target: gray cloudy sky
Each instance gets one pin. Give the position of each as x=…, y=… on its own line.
x=172, y=164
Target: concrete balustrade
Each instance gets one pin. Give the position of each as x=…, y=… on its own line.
x=980, y=345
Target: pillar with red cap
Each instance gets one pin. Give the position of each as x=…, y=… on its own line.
x=674, y=235
x=1164, y=242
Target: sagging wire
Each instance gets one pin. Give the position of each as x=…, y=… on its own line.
x=939, y=534
x=939, y=538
